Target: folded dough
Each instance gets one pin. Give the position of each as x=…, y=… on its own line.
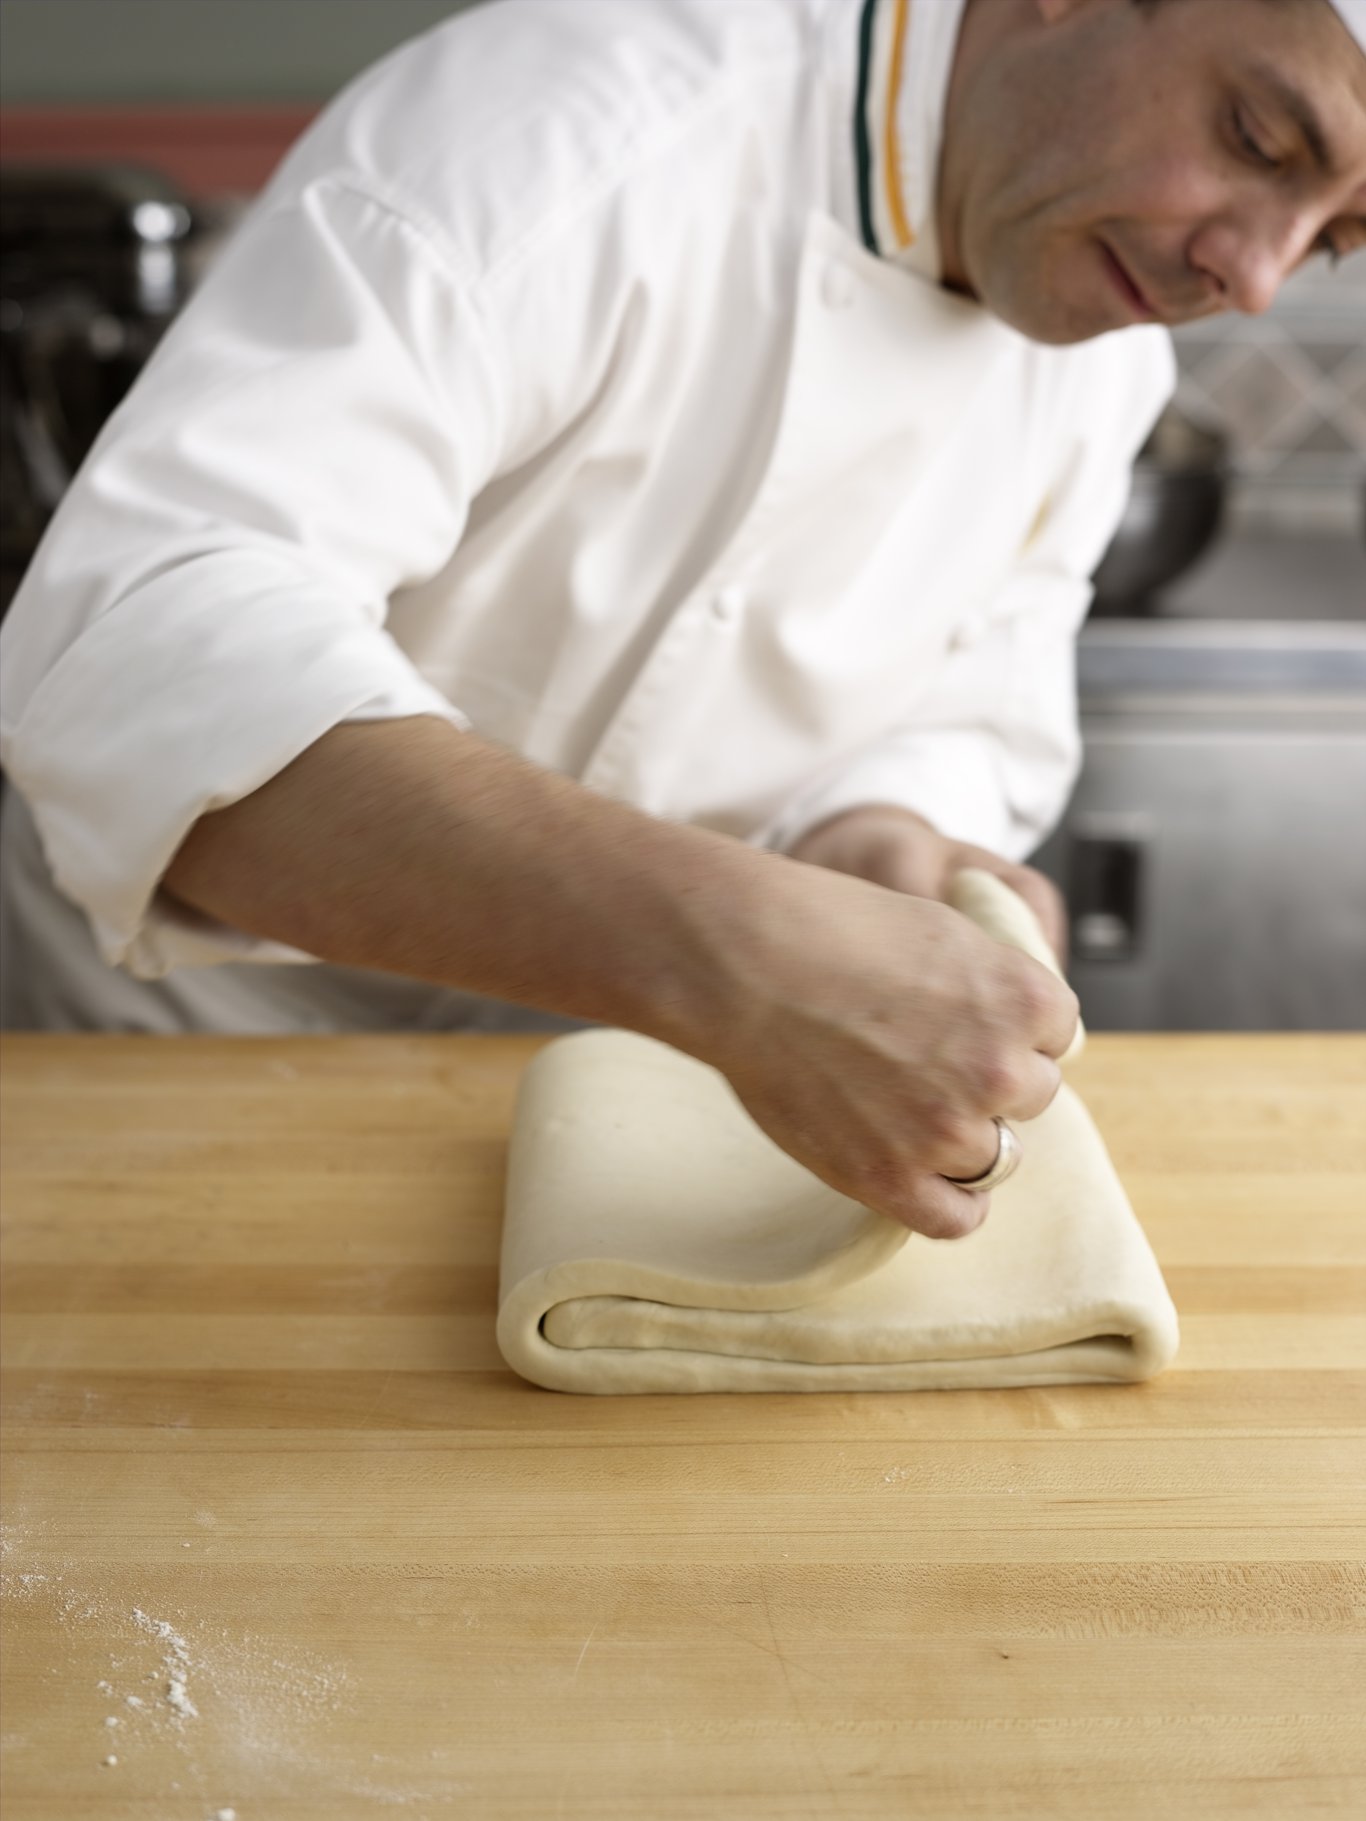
x=656, y=1240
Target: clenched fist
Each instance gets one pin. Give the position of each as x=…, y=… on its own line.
x=875, y=1035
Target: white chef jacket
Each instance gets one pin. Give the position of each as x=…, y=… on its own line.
x=582, y=377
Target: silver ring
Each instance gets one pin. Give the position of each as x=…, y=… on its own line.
x=1009, y=1151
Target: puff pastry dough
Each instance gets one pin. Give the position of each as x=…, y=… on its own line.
x=656, y=1240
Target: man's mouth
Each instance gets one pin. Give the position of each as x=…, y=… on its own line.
x=1128, y=290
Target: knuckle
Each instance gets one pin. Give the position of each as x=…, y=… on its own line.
x=946, y=1127
x=999, y=1079
x=1050, y=1007
x=964, y=1150
x=1038, y=889
x=955, y=1219
x=1039, y=993
x=878, y=1180
x=1048, y=1090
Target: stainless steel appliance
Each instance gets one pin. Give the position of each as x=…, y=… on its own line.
x=1214, y=853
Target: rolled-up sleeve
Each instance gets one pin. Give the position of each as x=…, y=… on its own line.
x=211, y=596
x=990, y=749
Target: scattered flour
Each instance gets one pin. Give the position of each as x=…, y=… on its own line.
x=266, y=1701
x=266, y=1708
x=176, y=1695
x=176, y=1663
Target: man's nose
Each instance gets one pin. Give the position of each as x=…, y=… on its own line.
x=1244, y=263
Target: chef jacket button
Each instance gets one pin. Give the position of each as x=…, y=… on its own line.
x=837, y=288
x=969, y=630
x=728, y=603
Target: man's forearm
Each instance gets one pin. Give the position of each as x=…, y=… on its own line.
x=409, y=846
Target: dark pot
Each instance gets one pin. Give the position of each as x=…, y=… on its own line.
x=1174, y=512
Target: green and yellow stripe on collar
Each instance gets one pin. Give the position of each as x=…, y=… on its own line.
x=883, y=219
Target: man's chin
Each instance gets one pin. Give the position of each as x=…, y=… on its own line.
x=1047, y=319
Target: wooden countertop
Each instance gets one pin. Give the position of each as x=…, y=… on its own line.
x=263, y=1450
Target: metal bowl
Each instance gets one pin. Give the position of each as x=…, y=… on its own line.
x=1174, y=512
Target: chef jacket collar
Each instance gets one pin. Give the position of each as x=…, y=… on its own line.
x=904, y=55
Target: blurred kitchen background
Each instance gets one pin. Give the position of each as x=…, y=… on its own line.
x=1214, y=854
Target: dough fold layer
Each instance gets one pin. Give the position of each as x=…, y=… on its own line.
x=656, y=1240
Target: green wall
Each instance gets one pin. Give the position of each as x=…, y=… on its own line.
x=117, y=51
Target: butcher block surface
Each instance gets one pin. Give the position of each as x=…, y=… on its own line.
x=283, y=1536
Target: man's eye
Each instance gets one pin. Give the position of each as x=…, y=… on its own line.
x=1253, y=146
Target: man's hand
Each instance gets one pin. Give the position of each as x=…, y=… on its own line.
x=898, y=849
x=876, y=1035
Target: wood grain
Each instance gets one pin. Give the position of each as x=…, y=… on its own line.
x=251, y=1396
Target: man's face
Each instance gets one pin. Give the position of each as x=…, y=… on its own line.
x=1107, y=163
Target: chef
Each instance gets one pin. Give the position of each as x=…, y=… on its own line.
x=606, y=541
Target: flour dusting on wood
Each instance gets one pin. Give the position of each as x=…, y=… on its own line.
x=261, y=1701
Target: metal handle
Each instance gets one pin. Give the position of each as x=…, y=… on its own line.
x=1107, y=869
